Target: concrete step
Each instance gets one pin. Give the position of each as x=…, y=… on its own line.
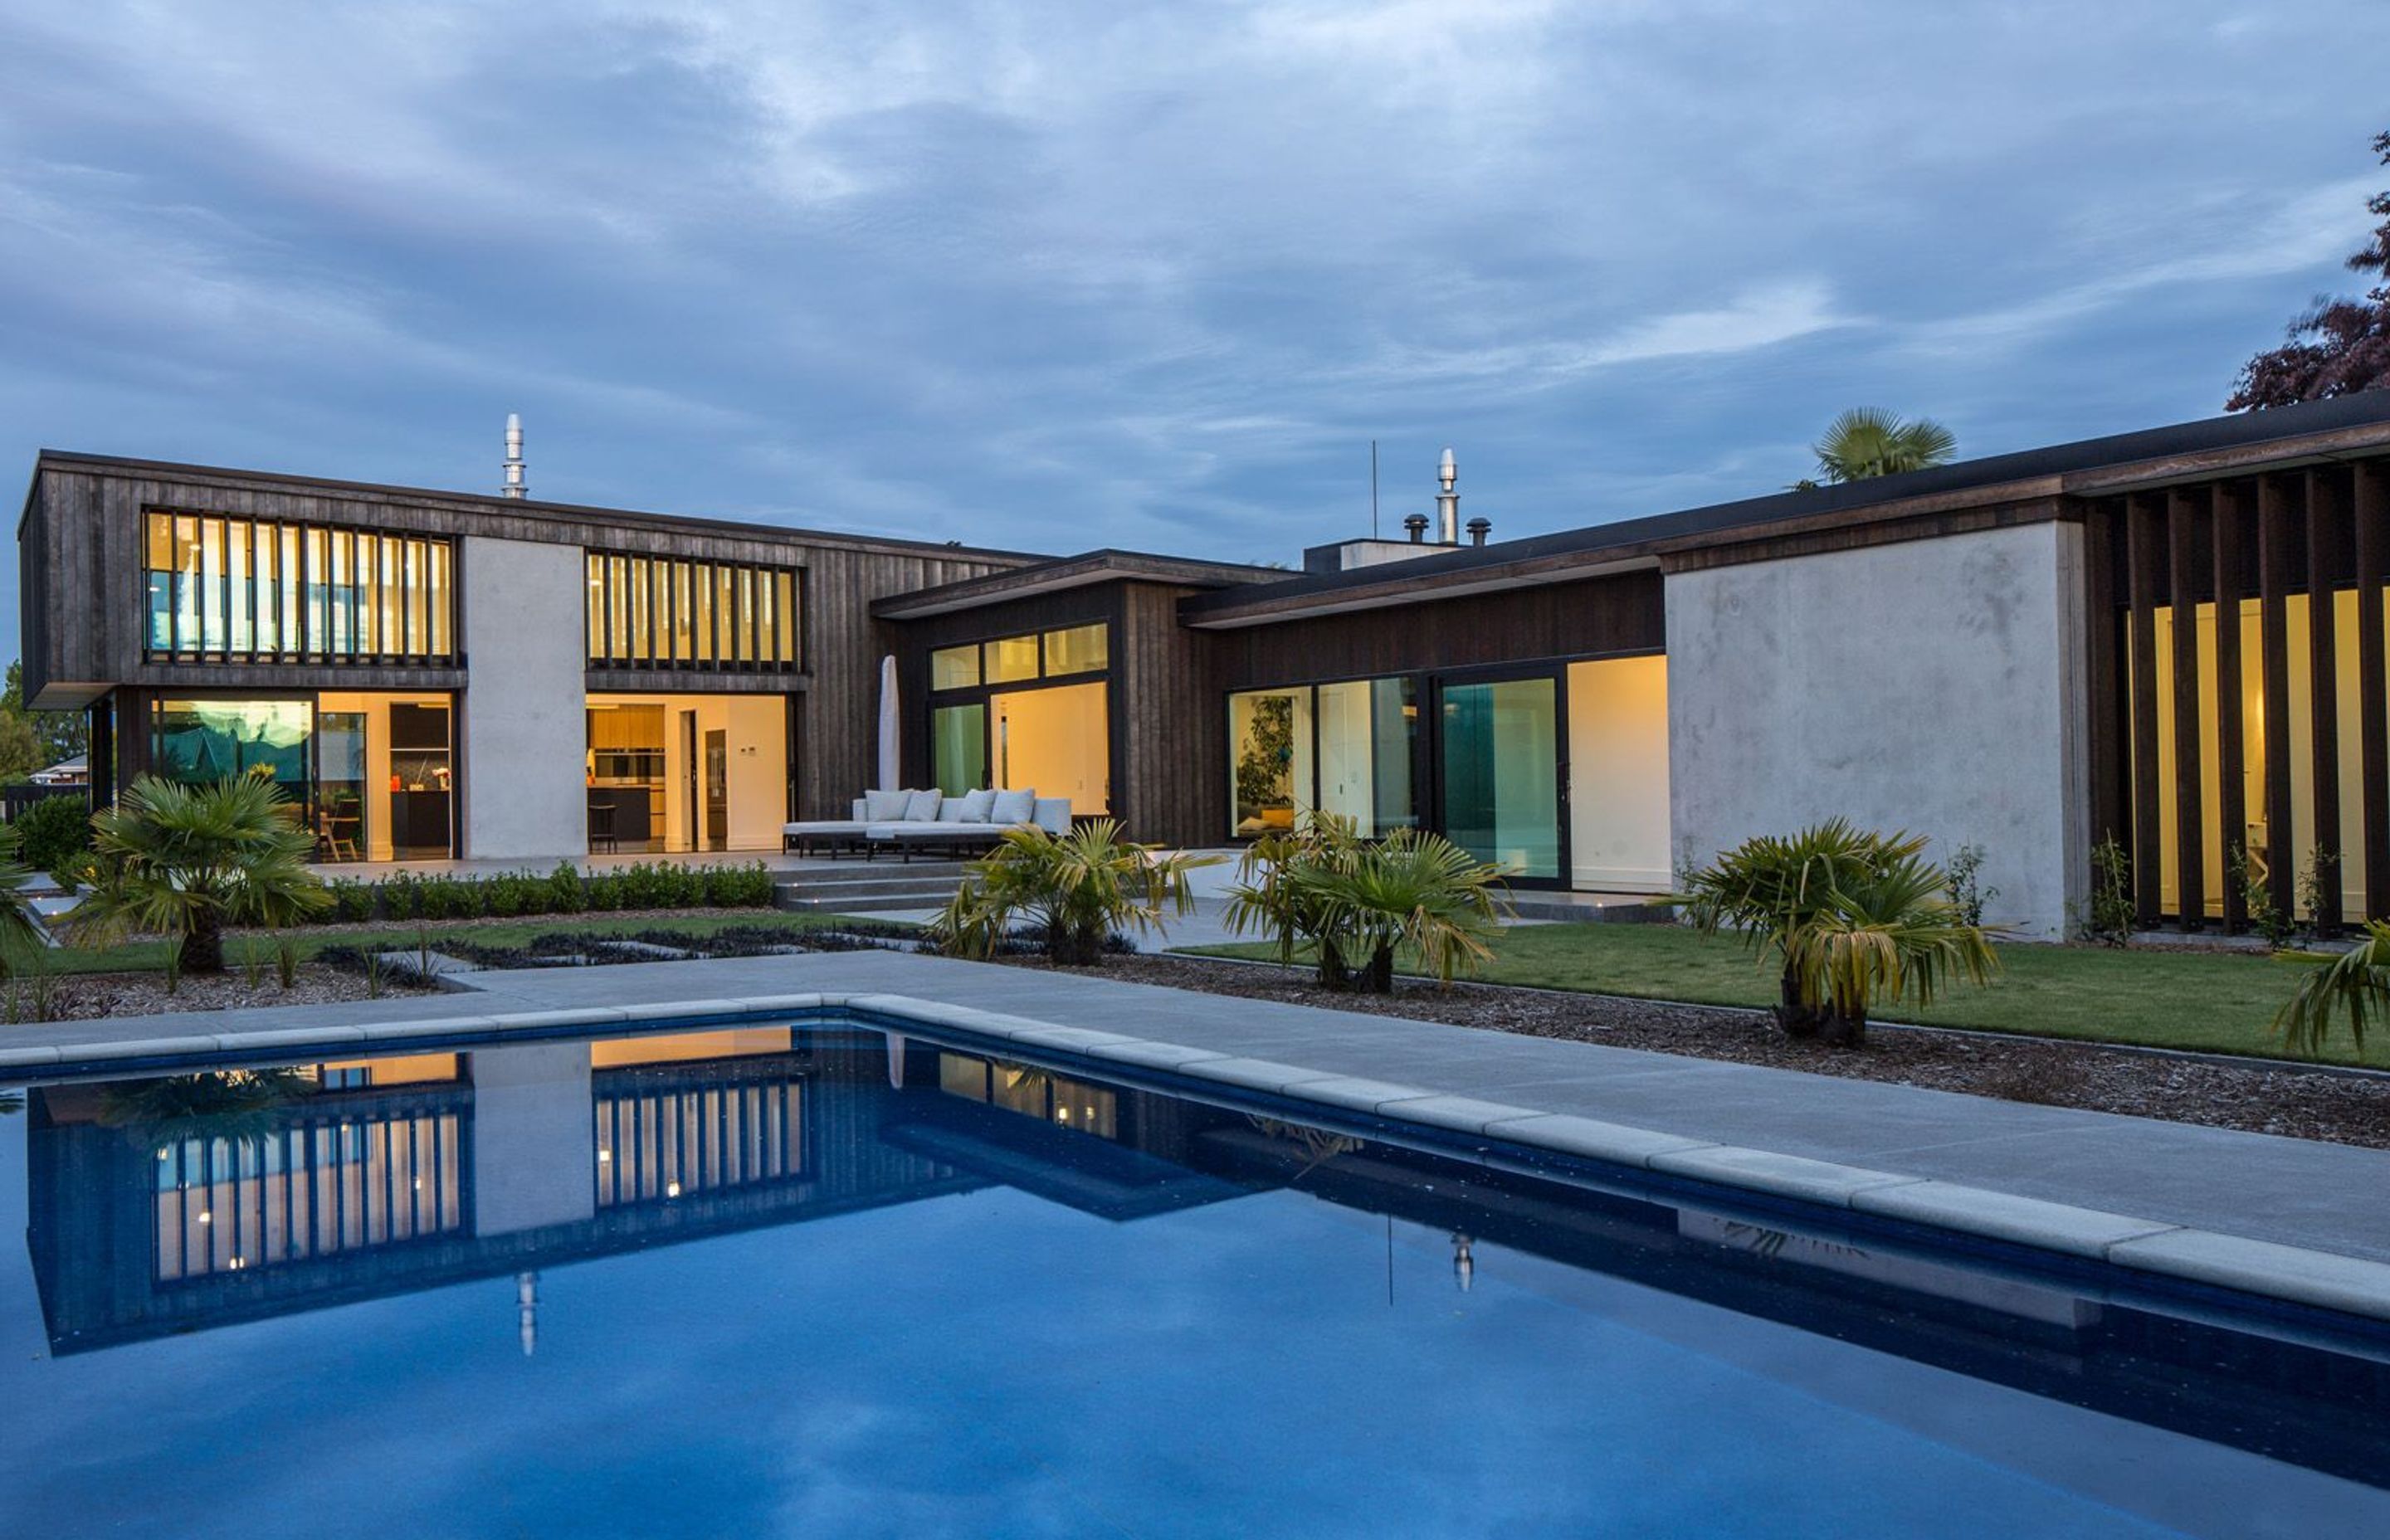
x=1579, y=912
x=886, y=886
x=884, y=903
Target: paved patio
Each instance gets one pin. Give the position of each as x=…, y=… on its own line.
x=2324, y=1197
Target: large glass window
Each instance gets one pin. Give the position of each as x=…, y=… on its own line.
x=1269, y=759
x=659, y=612
x=248, y=588
x=1012, y=659
x=1078, y=649
x=199, y=742
x=1501, y=774
x=954, y=668
x=959, y=747
x=1365, y=729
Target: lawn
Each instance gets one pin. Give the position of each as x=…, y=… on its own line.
x=150, y=956
x=2215, y=1002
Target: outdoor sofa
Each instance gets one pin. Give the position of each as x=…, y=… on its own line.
x=911, y=823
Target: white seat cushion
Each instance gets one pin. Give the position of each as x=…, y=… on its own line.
x=1013, y=808
x=921, y=807
x=885, y=807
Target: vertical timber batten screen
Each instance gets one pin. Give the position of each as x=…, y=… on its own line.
x=660, y=611
x=2247, y=621
x=225, y=588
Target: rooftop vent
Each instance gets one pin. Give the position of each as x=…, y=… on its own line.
x=515, y=486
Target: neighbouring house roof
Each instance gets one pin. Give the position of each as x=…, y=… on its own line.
x=1070, y=572
x=2279, y=438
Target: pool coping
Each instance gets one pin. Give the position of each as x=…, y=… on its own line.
x=2296, y=1275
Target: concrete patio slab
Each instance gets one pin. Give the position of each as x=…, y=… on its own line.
x=1784, y=1176
x=2069, y=1181
x=2004, y=1216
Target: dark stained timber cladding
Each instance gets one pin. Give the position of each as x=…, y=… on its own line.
x=2372, y=513
x=1609, y=615
x=2230, y=518
x=2145, y=570
x=2324, y=520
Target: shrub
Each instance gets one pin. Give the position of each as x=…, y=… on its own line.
x=52, y=832
x=746, y=887
x=564, y=891
x=1851, y=917
x=1078, y=887
x=2114, y=916
x=2265, y=917
x=1966, y=885
x=353, y=903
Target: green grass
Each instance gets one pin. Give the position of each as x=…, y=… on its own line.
x=2213, y=1002
x=150, y=956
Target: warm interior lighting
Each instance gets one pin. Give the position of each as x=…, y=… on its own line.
x=672, y=1190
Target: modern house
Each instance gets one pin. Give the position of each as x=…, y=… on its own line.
x=1987, y=653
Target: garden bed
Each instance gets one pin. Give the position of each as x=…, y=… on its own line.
x=88, y=996
x=2264, y=1096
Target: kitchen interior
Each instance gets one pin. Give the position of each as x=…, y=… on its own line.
x=670, y=773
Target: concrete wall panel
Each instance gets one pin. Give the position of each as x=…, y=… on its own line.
x=524, y=795
x=1935, y=686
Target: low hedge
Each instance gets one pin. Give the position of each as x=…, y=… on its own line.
x=565, y=890
x=54, y=831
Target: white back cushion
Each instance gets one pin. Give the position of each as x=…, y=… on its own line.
x=885, y=808
x=921, y=807
x=1013, y=808
x=969, y=808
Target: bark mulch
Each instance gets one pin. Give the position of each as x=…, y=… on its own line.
x=2263, y=1095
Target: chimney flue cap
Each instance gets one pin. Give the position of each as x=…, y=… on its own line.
x=1416, y=526
x=1479, y=529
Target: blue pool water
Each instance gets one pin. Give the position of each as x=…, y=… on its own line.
x=809, y=1280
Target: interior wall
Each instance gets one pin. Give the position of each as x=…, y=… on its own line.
x=1618, y=774
x=1057, y=741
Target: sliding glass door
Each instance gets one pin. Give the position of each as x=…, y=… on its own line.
x=1498, y=780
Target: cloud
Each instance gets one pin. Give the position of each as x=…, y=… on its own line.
x=1150, y=274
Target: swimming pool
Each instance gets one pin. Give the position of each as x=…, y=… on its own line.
x=815, y=1276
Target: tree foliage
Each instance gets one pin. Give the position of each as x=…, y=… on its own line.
x=30, y=740
x=1866, y=442
x=2339, y=346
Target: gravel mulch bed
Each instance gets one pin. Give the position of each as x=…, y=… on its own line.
x=84, y=997
x=2263, y=1097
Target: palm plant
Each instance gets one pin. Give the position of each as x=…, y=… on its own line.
x=1849, y=915
x=1354, y=902
x=1414, y=890
x=1076, y=888
x=1266, y=898
x=190, y=860
x=1867, y=442
x=239, y=1105
x=2354, y=985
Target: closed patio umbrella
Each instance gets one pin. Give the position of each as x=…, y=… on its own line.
x=889, y=773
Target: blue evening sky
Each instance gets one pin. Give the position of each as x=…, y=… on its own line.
x=1065, y=275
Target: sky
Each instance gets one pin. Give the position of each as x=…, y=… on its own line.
x=1060, y=276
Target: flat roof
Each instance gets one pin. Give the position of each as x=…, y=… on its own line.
x=562, y=513
x=2346, y=427
x=1070, y=572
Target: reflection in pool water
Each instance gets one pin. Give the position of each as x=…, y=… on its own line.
x=772, y=1278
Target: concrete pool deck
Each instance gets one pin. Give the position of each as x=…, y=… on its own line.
x=2293, y=1219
